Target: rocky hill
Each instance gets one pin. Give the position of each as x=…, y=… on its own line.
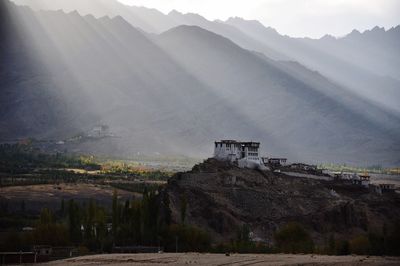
x=221, y=198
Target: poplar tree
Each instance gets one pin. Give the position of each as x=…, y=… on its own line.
x=115, y=212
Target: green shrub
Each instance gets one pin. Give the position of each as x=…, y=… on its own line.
x=293, y=238
x=360, y=245
x=392, y=241
x=188, y=238
x=377, y=243
x=342, y=247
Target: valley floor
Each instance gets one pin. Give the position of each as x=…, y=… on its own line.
x=222, y=259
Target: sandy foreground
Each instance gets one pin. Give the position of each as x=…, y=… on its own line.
x=222, y=259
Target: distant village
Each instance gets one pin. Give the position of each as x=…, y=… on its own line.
x=247, y=155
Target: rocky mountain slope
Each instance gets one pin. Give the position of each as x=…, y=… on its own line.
x=221, y=198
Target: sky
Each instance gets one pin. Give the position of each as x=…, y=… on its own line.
x=296, y=18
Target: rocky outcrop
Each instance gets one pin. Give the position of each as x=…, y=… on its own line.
x=222, y=197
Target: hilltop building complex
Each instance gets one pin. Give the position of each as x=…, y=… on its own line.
x=246, y=154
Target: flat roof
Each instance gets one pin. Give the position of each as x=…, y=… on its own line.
x=249, y=143
x=229, y=141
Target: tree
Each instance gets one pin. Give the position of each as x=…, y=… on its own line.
x=342, y=247
x=331, y=245
x=149, y=218
x=74, y=221
x=189, y=238
x=126, y=212
x=376, y=242
x=183, y=207
x=46, y=217
x=89, y=220
x=136, y=222
x=23, y=206
x=293, y=238
x=360, y=245
x=11, y=242
x=115, y=212
x=62, y=208
x=52, y=234
x=48, y=232
x=243, y=234
x=392, y=244
x=101, y=227
x=167, y=209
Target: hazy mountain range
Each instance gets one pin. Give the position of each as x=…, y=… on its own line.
x=173, y=83
x=362, y=62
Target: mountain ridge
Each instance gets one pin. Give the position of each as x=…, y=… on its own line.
x=188, y=86
x=365, y=64
x=174, y=12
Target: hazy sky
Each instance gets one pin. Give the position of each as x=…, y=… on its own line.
x=311, y=18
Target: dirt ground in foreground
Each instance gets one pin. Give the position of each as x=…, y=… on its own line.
x=222, y=260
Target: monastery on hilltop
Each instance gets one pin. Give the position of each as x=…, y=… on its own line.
x=246, y=154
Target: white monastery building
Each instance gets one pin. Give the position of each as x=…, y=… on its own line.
x=246, y=154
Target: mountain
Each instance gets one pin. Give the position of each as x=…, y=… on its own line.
x=149, y=20
x=137, y=16
x=379, y=44
x=104, y=71
x=175, y=93
x=285, y=102
x=366, y=63
x=97, y=71
x=221, y=198
x=232, y=33
x=374, y=50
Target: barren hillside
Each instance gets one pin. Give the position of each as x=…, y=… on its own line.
x=222, y=197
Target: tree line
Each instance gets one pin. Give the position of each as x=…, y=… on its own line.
x=147, y=221
x=96, y=229
x=22, y=158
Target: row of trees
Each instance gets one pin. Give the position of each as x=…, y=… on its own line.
x=129, y=170
x=137, y=187
x=146, y=221
x=373, y=243
x=53, y=176
x=293, y=238
x=142, y=222
x=137, y=221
